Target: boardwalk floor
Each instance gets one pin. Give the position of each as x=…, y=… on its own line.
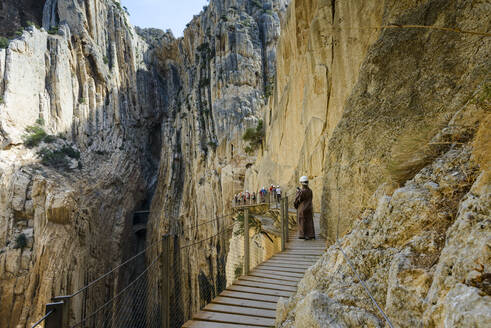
x=251, y=300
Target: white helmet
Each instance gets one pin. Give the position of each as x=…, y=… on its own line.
x=304, y=180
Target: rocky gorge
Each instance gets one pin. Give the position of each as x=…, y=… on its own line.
x=391, y=125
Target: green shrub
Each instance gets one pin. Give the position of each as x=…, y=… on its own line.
x=204, y=46
x=34, y=135
x=70, y=152
x=254, y=136
x=81, y=101
x=19, y=32
x=49, y=139
x=4, y=42
x=31, y=23
x=238, y=271
x=54, y=29
x=21, y=241
x=58, y=158
x=1, y=100
x=268, y=89
x=54, y=158
x=106, y=60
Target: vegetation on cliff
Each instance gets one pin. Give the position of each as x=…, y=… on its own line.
x=255, y=137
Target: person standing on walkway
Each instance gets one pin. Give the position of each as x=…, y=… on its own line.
x=305, y=211
x=278, y=194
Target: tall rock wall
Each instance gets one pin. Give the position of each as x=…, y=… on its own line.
x=91, y=83
x=157, y=120
x=348, y=94
x=225, y=62
x=390, y=125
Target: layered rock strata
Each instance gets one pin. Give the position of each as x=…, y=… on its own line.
x=390, y=124
x=91, y=84
x=225, y=62
x=147, y=112
x=348, y=94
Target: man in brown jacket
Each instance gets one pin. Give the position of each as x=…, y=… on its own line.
x=305, y=211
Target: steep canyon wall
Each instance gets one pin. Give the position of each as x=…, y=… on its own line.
x=391, y=126
x=91, y=84
x=158, y=124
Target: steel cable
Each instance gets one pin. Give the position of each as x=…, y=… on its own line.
x=365, y=287
x=117, y=295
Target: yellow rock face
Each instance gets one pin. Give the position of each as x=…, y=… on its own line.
x=319, y=56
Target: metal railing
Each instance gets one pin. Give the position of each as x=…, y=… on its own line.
x=151, y=298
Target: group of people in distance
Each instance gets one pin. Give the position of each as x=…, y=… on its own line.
x=248, y=198
x=302, y=203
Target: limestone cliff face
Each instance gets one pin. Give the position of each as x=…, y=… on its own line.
x=388, y=124
x=147, y=112
x=225, y=62
x=345, y=100
x=92, y=82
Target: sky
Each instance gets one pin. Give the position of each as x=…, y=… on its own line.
x=163, y=14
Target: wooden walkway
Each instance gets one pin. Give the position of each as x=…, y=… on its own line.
x=251, y=301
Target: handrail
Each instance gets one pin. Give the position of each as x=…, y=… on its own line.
x=43, y=318
x=365, y=287
x=121, y=292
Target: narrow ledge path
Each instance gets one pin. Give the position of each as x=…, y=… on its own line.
x=250, y=302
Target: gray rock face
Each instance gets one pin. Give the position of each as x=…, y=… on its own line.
x=92, y=82
x=17, y=14
x=224, y=63
x=147, y=113
x=420, y=249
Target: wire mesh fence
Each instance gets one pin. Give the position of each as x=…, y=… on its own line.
x=172, y=279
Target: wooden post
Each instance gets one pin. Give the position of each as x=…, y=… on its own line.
x=246, y=241
x=287, y=218
x=59, y=312
x=165, y=277
x=282, y=223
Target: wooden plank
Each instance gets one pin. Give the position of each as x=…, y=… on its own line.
x=292, y=261
x=260, y=291
x=298, y=245
x=206, y=324
x=269, y=281
x=250, y=296
x=306, y=252
x=279, y=273
x=212, y=307
x=297, y=256
x=265, y=285
x=269, y=275
x=242, y=302
x=301, y=267
x=300, y=259
x=281, y=269
x=233, y=318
